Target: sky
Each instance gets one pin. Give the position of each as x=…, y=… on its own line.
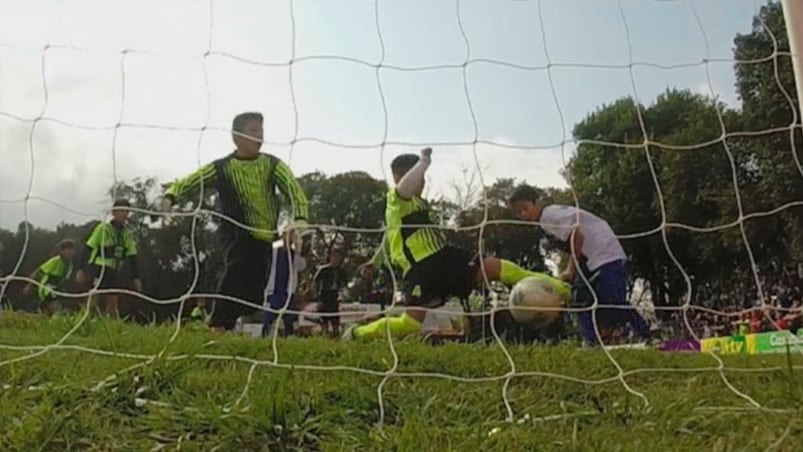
x=97, y=91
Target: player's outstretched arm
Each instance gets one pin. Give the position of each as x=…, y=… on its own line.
x=381, y=255
x=413, y=182
x=288, y=185
x=181, y=190
x=575, y=250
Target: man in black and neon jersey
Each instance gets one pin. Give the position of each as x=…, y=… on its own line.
x=248, y=183
x=433, y=270
x=110, y=244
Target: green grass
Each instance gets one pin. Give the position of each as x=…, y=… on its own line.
x=200, y=396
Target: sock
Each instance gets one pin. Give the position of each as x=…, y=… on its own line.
x=403, y=324
x=510, y=274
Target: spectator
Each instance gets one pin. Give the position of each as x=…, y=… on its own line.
x=328, y=282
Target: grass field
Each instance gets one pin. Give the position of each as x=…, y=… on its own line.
x=197, y=395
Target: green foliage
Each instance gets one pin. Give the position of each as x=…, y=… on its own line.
x=769, y=102
x=185, y=400
x=683, y=169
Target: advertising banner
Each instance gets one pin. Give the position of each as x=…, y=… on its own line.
x=729, y=345
x=680, y=345
x=778, y=342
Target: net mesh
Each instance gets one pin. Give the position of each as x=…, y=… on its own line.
x=116, y=99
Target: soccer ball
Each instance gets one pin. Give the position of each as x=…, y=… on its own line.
x=536, y=300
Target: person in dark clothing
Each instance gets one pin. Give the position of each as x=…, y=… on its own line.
x=329, y=280
x=247, y=182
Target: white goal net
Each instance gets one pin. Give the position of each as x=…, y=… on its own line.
x=676, y=122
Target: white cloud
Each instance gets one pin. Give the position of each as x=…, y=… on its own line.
x=169, y=84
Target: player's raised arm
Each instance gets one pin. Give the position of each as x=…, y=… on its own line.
x=183, y=189
x=413, y=181
x=288, y=185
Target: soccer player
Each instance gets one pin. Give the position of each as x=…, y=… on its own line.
x=432, y=269
x=51, y=276
x=598, y=254
x=282, y=283
x=109, y=245
x=246, y=181
x=328, y=281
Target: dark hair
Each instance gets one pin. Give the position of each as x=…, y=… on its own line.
x=403, y=163
x=524, y=192
x=65, y=244
x=239, y=122
x=121, y=203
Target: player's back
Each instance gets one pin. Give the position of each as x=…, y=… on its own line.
x=410, y=230
x=600, y=244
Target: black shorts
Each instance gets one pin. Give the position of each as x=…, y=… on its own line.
x=330, y=306
x=450, y=272
x=107, y=276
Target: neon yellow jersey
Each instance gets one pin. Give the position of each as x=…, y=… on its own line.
x=248, y=192
x=110, y=244
x=52, y=275
x=408, y=235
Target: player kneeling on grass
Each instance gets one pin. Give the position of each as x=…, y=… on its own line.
x=600, y=256
x=432, y=269
x=110, y=245
x=51, y=277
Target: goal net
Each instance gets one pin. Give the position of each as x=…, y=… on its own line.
x=676, y=123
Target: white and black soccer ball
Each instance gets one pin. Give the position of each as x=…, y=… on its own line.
x=535, y=300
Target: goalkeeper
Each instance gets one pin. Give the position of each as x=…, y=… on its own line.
x=432, y=269
x=246, y=182
x=595, y=249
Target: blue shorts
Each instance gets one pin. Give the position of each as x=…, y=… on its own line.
x=609, y=283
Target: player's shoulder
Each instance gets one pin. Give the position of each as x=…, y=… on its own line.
x=51, y=263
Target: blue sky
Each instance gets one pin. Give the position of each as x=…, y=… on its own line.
x=338, y=99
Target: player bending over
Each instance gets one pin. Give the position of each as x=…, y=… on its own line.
x=51, y=277
x=246, y=181
x=109, y=245
x=596, y=251
x=432, y=269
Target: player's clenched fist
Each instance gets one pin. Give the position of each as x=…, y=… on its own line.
x=426, y=153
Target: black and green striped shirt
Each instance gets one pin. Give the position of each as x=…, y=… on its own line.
x=410, y=234
x=248, y=190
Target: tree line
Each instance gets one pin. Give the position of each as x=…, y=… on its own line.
x=686, y=180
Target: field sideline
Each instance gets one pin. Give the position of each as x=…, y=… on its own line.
x=57, y=399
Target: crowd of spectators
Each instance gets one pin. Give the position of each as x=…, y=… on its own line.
x=737, y=307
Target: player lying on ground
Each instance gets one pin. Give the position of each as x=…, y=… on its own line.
x=110, y=245
x=51, y=277
x=596, y=251
x=282, y=283
x=432, y=270
x=246, y=181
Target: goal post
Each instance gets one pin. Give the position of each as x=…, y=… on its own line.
x=793, y=16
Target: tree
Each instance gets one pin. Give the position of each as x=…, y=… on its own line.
x=620, y=182
x=354, y=200
x=766, y=87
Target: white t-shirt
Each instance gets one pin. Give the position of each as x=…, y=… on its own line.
x=600, y=245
